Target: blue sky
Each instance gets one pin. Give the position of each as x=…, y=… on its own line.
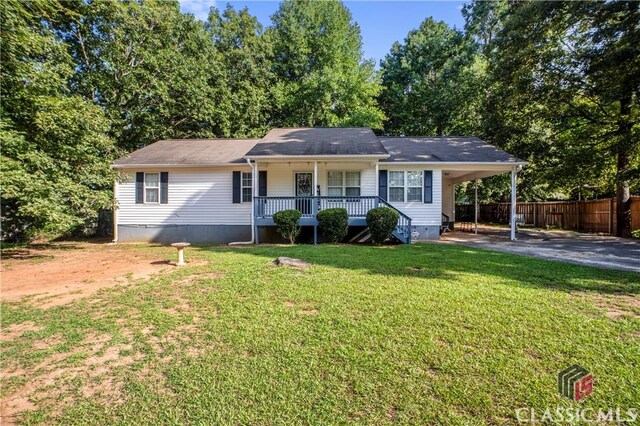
x=381, y=22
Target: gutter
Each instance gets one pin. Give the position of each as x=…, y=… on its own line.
x=311, y=157
x=157, y=166
x=115, y=212
x=457, y=163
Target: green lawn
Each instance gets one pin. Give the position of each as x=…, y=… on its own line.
x=427, y=333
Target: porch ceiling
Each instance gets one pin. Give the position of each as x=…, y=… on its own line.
x=457, y=176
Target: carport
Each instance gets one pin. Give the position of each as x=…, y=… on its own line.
x=472, y=173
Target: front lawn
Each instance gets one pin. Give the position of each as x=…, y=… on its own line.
x=427, y=333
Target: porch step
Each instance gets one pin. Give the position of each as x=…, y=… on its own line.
x=401, y=236
x=361, y=237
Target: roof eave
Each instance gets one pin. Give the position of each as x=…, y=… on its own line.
x=141, y=166
x=310, y=157
x=461, y=163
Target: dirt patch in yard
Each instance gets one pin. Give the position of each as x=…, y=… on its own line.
x=55, y=274
x=52, y=382
x=615, y=306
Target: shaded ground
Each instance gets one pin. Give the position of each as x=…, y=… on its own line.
x=55, y=274
x=566, y=246
x=408, y=334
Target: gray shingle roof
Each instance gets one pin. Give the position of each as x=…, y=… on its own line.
x=319, y=141
x=201, y=152
x=455, y=149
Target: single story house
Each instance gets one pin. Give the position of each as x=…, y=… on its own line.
x=226, y=190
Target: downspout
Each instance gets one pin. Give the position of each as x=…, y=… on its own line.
x=115, y=212
x=254, y=179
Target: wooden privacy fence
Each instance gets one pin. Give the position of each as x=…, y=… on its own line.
x=586, y=216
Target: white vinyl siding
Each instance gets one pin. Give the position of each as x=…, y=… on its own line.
x=448, y=198
x=196, y=197
x=421, y=214
x=199, y=196
x=280, y=179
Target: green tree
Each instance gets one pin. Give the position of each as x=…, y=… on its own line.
x=432, y=83
x=573, y=69
x=321, y=77
x=155, y=71
x=55, y=173
x=245, y=61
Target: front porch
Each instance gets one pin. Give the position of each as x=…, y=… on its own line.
x=357, y=207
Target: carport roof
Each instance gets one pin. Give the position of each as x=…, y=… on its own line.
x=444, y=149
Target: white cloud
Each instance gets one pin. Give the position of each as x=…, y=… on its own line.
x=198, y=8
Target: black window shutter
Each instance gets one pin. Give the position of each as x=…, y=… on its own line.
x=382, y=184
x=428, y=186
x=262, y=183
x=237, y=196
x=164, y=187
x=139, y=187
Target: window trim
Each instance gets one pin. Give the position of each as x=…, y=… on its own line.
x=145, y=187
x=243, y=187
x=405, y=186
x=344, y=186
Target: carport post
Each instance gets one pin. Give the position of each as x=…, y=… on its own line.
x=475, y=209
x=514, y=173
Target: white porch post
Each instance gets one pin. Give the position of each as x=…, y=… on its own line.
x=315, y=178
x=513, y=204
x=315, y=201
x=256, y=192
x=475, y=209
x=377, y=177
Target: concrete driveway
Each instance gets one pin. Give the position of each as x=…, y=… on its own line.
x=566, y=246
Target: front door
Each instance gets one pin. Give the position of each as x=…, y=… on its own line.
x=304, y=188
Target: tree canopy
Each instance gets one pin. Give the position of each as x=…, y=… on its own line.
x=321, y=77
x=431, y=82
x=555, y=83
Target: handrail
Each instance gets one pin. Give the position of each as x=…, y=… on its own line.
x=356, y=206
x=403, y=228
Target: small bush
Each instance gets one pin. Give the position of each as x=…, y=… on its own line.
x=333, y=224
x=381, y=221
x=635, y=233
x=287, y=221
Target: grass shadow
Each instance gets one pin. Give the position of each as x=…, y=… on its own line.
x=439, y=261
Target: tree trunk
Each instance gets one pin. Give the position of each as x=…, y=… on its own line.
x=623, y=198
x=623, y=193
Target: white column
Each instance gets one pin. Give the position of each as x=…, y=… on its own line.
x=256, y=190
x=513, y=204
x=475, y=209
x=315, y=178
x=377, y=179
